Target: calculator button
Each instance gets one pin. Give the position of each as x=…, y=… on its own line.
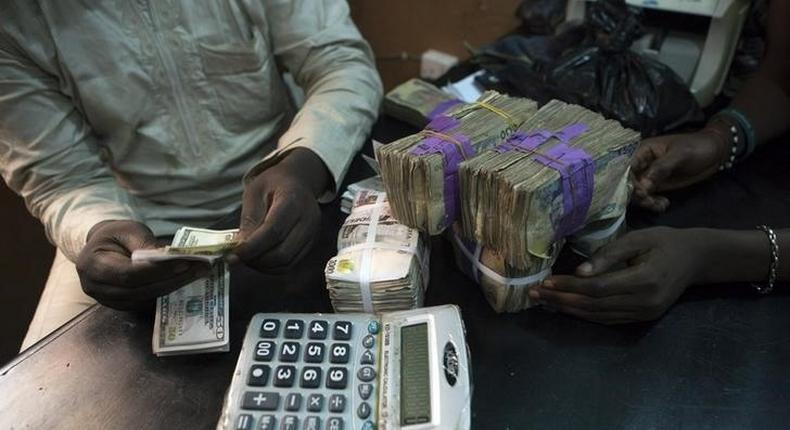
x=337, y=378
x=337, y=403
x=259, y=375
x=293, y=402
x=367, y=425
x=368, y=341
x=366, y=358
x=318, y=330
x=264, y=350
x=363, y=411
x=314, y=352
x=290, y=422
x=373, y=327
x=315, y=402
x=268, y=422
x=270, y=328
x=342, y=330
x=366, y=374
x=244, y=422
x=339, y=353
x=311, y=377
x=365, y=390
x=260, y=401
x=334, y=423
x=284, y=376
x=312, y=423
x=289, y=352
x=294, y=329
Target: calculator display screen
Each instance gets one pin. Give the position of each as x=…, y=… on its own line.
x=415, y=388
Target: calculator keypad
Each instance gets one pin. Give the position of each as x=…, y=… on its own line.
x=309, y=372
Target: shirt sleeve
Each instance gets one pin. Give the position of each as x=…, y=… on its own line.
x=50, y=157
x=318, y=43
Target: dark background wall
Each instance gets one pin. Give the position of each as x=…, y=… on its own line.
x=392, y=27
x=25, y=257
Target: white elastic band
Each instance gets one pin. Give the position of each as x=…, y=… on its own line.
x=482, y=268
x=378, y=245
x=367, y=260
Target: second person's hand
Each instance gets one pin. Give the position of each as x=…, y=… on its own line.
x=675, y=161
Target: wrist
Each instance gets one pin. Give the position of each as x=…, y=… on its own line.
x=304, y=166
x=732, y=256
x=719, y=134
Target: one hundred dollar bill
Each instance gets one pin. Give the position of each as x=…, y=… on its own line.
x=194, y=319
x=191, y=243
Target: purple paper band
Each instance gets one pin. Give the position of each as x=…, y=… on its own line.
x=442, y=108
x=576, y=169
x=451, y=157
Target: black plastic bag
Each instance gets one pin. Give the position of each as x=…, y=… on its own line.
x=608, y=77
x=541, y=16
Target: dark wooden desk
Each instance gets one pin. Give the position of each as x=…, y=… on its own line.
x=717, y=360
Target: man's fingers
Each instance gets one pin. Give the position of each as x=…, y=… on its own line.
x=598, y=286
x=134, y=235
x=116, y=269
x=298, y=242
x=575, y=303
x=619, y=251
x=603, y=316
x=109, y=293
x=643, y=157
x=253, y=211
x=653, y=203
x=290, y=264
x=280, y=220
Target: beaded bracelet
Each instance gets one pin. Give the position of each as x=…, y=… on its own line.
x=773, y=262
x=737, y=118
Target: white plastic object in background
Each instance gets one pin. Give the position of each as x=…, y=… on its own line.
x=434, y=64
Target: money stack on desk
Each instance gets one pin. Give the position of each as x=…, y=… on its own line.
x=417, y=102
x=381, y=265
x=195, y=318
x=505, y=287
x=420, y=171
x=564, y=169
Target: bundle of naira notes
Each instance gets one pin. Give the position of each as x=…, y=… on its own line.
x=195, y=318
x=417, y=102
x=372, y=183
x=565, y=169
x=381, y=264
x=420, y=171
x=505, y=287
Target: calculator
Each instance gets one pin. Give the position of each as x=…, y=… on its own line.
x=405, y=369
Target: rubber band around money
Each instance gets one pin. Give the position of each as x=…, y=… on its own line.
x=454, y=149
x=510, y=120
x=443, y=107
x=479, y=267
x=366, y=260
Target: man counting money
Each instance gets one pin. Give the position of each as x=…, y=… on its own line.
x=121, y=121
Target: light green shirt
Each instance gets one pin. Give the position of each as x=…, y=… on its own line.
x=154, y=110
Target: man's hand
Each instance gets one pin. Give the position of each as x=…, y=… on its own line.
x=279, y=214
x=675, y=161
x=107, y=274
x=659, y=263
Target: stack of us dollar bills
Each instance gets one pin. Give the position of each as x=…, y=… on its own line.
x=420, y=171
x=381, y=264
x=195, y=318
x=565, y=169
